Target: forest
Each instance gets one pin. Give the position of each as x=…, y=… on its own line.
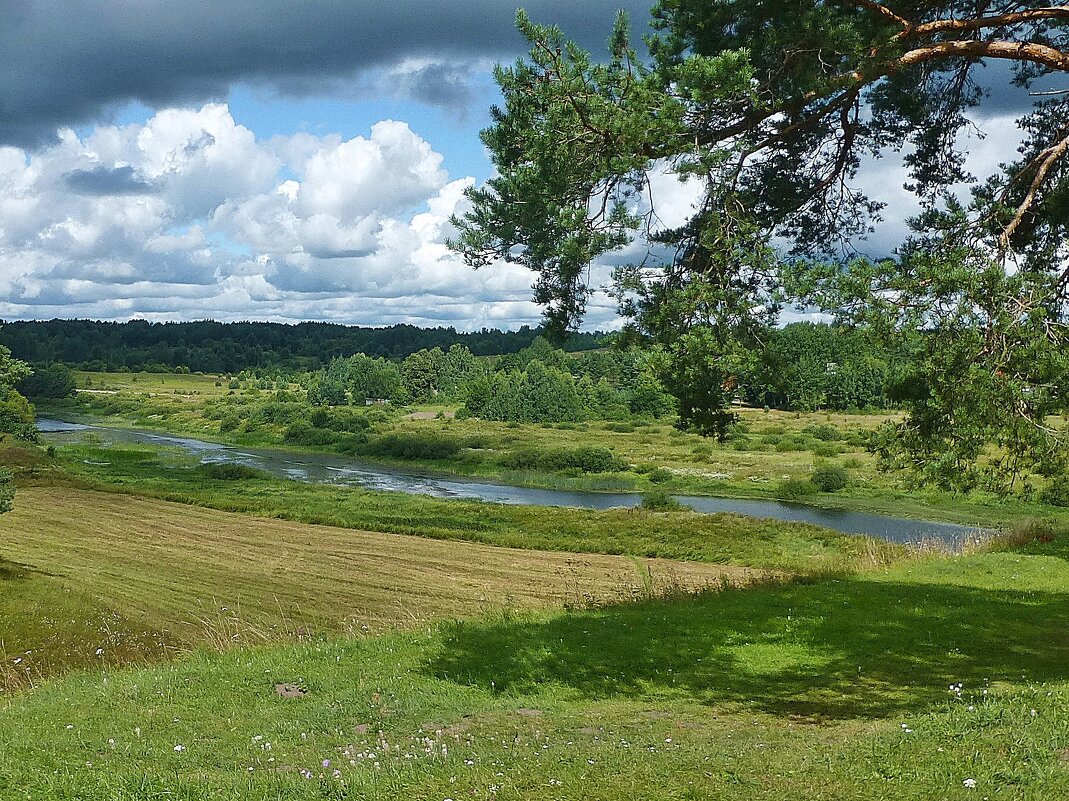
x=213, y=347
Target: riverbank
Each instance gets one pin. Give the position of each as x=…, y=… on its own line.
x=770, y=458
x=319, y=468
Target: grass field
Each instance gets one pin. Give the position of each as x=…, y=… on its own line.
x=142, y=578
x=255, y=642
x=940, y=678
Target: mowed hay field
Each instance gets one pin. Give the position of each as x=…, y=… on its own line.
x=137, y=579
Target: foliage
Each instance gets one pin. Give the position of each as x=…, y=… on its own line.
x=794, y=489
x=808, y=366
x=539, y=394
x=7, y=490
x=16, y=417
x=585, y=459
x=829, y=478
x=1056, y=493
x=415, y=445
x=988, y=364
x=213, y=347
x=660, y=501
x=16, y=414
x=772, y=106
x=54, y=381
x=230, y=471
x=357, y=379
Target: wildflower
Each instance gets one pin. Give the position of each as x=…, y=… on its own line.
x=99, y=651
x=336, y=774
x=326, y=763
x=970, y=783
x=179, y=748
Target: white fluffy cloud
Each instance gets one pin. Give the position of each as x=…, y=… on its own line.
x=189, y=216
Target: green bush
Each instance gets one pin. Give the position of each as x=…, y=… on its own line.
x=660, y=475
x=586, y=459
x=829, y=478
x=794, y=489
x=417, y=445
x=1056, y=493
x=230, y=471
x=660, y=502
x=823, y=431
x=55, y=381
x=303, y=433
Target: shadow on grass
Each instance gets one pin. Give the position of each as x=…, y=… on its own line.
x=836, y=649
x=10, y=571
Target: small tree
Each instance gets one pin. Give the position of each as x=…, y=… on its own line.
x=11, y=372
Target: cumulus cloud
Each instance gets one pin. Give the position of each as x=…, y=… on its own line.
x=188, y=215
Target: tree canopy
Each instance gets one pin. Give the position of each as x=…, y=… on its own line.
x=12, y=416
x=774, y=106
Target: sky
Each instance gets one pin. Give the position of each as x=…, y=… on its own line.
x=279, y=160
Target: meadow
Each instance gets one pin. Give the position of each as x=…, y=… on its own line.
x=934, y=678
x=770, y=454
x=171, y=630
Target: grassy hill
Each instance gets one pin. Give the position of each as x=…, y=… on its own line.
x=228, y=647
x=939, y=678
x=143, y=579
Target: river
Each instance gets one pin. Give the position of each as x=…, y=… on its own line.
x=323, y=468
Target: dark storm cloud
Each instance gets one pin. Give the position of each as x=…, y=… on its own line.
x=102, y=181
x=442, y=85
x=64, y=62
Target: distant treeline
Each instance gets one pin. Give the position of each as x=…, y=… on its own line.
x=212, y=347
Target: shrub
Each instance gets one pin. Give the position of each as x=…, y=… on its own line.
x=415, y=445
x=660, y=475
x=660, y=502
x=1056, y=493
x=586, y=459
x=230, y=471
x=56, y=381
x=825, y=450
x=303, y=433
x=823, y=431
x=829, y=478
x=794, y=488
